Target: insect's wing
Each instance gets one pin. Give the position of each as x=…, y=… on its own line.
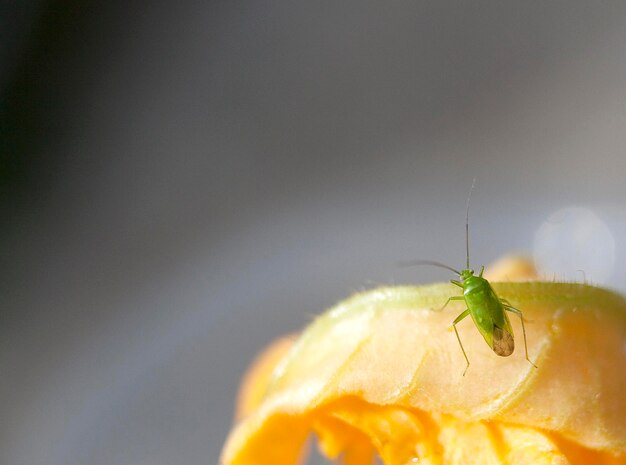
x=492, y=321
x=498, y=336
x=503, y=343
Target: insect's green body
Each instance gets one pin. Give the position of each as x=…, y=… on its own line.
x=488, y=311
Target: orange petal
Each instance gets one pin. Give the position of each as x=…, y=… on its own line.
x=257, y=379
x=511, y=268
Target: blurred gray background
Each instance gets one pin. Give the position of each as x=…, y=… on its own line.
x=182, y=182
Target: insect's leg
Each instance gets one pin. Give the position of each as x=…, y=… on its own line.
x=506, y=303
x=521, y=317
x=482, y=269
x=456, y=321
x=457, y=283
x=456, y=297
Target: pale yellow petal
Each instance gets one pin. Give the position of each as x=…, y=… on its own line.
x=383, y=373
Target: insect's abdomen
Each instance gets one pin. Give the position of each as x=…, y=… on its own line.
x=489, y=315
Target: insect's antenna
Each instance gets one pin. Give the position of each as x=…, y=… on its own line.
x=427, y=262
x=467, y=223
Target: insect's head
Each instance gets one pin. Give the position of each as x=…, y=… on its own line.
x=467, y=273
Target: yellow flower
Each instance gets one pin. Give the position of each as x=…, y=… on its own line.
x=382, y=374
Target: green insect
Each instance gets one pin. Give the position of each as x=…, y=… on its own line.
x=488, y=311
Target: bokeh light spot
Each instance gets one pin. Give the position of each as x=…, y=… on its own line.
x=575, y=244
